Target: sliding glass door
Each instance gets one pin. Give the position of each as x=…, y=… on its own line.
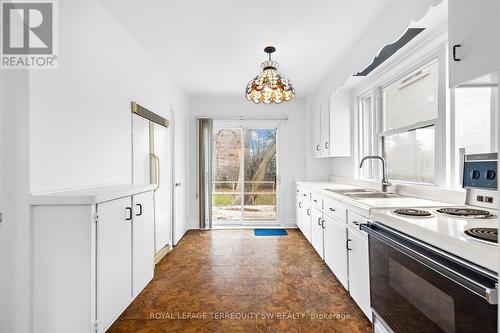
x=244, y=175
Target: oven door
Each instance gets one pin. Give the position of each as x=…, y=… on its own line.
x=418, y=288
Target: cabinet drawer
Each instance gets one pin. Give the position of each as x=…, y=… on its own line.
x=335, y=209
x=353, y=221
x=316, y=201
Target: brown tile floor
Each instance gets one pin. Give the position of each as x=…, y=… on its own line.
x=233, y=281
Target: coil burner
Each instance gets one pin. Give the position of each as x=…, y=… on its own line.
x=465, y=212
x=485, y=234
x=412, y=212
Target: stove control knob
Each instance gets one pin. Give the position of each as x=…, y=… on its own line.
x=476, y=174
x=490, y=174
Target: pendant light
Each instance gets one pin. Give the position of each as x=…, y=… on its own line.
x=270, y=86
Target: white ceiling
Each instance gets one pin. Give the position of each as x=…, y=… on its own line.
x=216, y=47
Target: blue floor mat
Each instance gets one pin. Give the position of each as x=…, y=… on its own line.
x=270, y=232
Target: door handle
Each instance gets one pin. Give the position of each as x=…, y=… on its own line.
x=140, y=210
x=455, y=47
x=323, y=223
x=129, y=210
x=157, y=170
x=319, y=220
x=347, y=244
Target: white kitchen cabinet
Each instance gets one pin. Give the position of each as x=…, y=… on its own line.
x=359, y=269
x=340, y=124
x=306, y=215
x=473, y=39
x=325, y=130
x=114, y=265
x=89, y=251
x=316, y=131
x=335, y=238
x=298, y=208
x=317, y=231
x=143, y=250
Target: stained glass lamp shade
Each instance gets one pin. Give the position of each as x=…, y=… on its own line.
x=270, y=86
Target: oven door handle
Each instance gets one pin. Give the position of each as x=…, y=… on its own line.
x=429, y=256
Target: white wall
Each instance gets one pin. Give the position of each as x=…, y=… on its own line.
x=291, y=150
x=14, y=201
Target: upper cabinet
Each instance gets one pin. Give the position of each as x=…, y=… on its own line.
x=316, y=131
x=340, y=124
x=473, y=37
x=332, y=127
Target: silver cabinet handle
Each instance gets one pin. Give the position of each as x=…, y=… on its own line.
x=315, y=200
x=331, y=209
x=178, y=184
x=323, y=223
x=317, y=147
x=308, y=212
x=300, y=204
x=326, y=145
x=347, y=244
x=319, y=220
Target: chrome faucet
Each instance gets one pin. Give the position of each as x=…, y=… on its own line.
x=385, y=180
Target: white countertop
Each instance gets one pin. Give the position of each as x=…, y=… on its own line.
x=441, y=231
x=367, y=204
x=446, y=233
x=89, y=196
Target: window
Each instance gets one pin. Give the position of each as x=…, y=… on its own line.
x=367, y=133
x=475, y=116
x=410, y=113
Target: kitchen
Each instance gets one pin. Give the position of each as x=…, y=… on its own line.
x=352, y=189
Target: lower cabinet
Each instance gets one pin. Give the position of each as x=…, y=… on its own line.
x=317, y=231
x=114, y=264
x=143, y=249
x=306, y=216
x=335, y=235
x=90, y=261
x=298, y=208
x=359, y=269
x=359, y=274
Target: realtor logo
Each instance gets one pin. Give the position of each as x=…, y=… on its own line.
x=28, y=36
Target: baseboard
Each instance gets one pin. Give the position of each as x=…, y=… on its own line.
x=162, y=253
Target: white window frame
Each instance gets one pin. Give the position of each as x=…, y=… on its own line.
x=442, y=156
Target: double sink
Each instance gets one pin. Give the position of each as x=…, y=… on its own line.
x=361, y=193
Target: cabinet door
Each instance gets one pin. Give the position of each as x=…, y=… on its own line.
x=325, y=130
x=473, y=26
x=143, y=241
x=317, y=231
x=298, y=209
x=316, y=131
x=306, y=216
x=114, y=261
x=359, y=273
x=340, y=124
x=335, y=238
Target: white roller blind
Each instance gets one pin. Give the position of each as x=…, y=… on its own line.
x=411, y=99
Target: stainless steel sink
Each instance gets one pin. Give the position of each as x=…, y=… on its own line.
x=372, y=195
x=350, y=191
